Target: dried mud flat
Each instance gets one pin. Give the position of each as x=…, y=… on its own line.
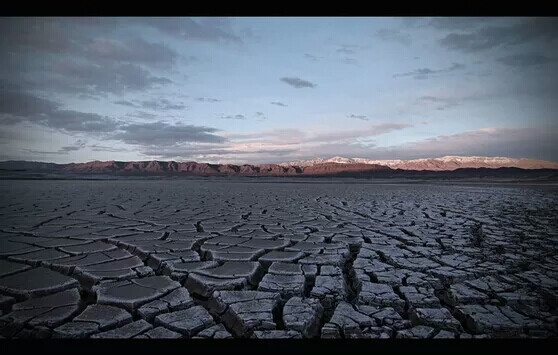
x=223, y=259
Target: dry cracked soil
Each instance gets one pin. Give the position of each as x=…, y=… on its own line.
x=224, y=259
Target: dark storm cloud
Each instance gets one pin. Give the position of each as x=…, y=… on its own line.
x=210, y=30
x=160, y=133
x=81, y=57
x=207, y=99
x=233, y=117
x=20, y=106
x=360, y=117
x=41, y=34
x=523, y=60
x=136, y=50
x=394, y=35
x=71, y=76
x=490, y=36
x=425, y=73
x=75, y=121
x=278, y=103
x=298, y=83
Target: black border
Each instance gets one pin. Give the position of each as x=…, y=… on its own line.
x=283, y=347
x=282, y=8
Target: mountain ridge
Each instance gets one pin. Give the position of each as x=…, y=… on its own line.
x=445, y=163
x=342, y=167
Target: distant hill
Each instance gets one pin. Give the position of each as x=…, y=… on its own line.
x=25, y=169
x=446, y=163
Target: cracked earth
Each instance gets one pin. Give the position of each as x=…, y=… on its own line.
x=229, y=259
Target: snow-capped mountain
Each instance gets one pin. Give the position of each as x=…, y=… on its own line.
x=445, y=163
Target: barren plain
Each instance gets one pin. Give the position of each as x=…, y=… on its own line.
x=228, y=258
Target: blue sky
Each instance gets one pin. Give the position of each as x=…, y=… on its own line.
x=266, y=90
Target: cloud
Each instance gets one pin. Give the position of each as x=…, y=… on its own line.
x=495, y=141
x=79, y=144
x=360, y=117
x=286, y=145
x=298, y=83
x=297, y=137
x=142, y=114
x=20, y=106
x=350, y=61
x=43, y=152
x=75, y=121
x=489, y=36
x=275, y=136
x=277, y=103
x=208, y=30
x=523, y=60
x=84, y=58
x=204, y=153
x=311, y=57
x=442, y=103
x=104, y=148
x=394, y=35
x=125, y=103
x=233, y=117
x=153, y=104
x=370, y=131
x=136, y=50
x=207, y=99
x=348, y=48
x=459, y=23
x=42, y=34
x=162, y=133
x=260, y=116
x=72, y=76
x=425, y=73
x=345, y=50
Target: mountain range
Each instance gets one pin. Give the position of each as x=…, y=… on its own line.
x=445, y=167
x=446, y=163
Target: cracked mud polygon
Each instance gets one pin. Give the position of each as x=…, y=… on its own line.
x=236, y=259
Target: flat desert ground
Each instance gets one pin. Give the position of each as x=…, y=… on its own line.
x=258, y=258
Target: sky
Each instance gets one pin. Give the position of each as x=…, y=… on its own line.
x=268, y=90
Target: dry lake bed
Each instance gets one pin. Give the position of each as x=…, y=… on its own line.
x=262, y=259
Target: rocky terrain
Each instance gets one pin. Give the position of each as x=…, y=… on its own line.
x=231, y=259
